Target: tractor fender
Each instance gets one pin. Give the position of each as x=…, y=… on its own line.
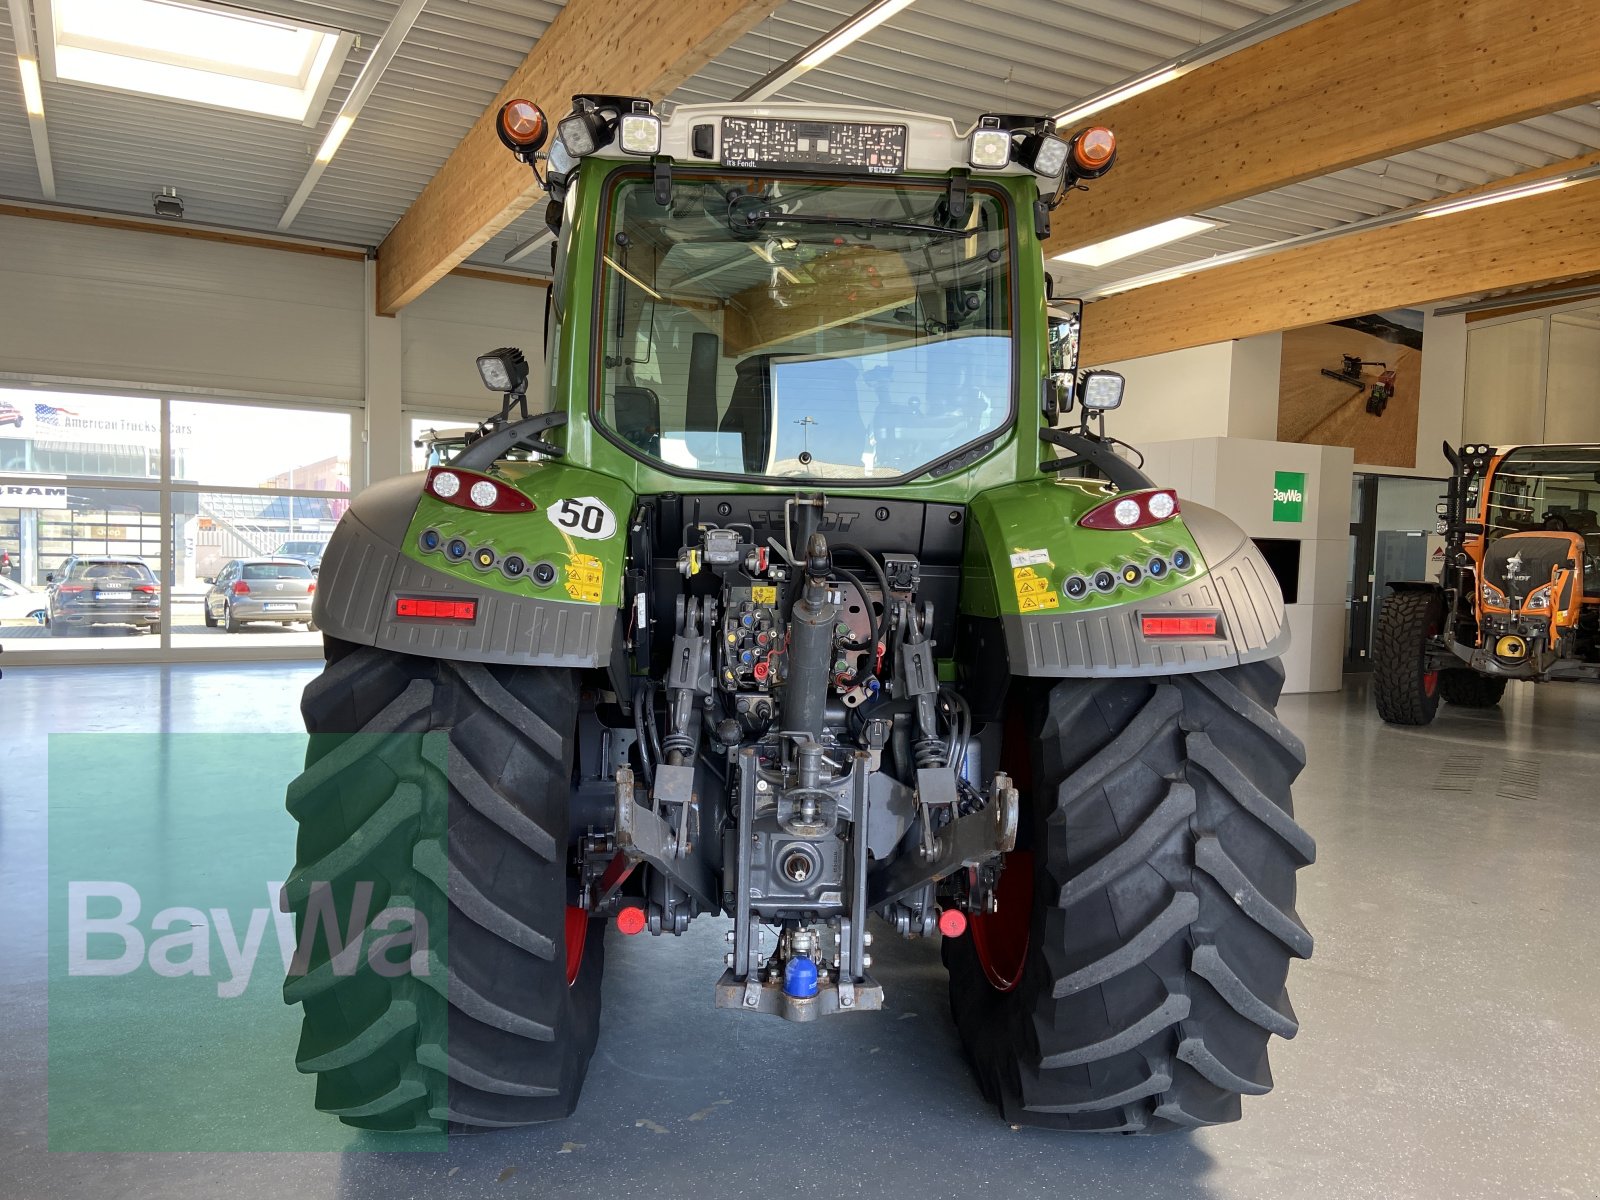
x=1045, y=632
x=559, y=610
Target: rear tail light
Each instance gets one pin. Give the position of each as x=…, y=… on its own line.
x=1162, y=625
x=149, y=589
x=470, y=490
x=311, y=587
x=1132, y=510
x=438, y=610
x=241, y=588
x=69, y=589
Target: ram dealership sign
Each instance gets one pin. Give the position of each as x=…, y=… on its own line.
x=33, y=495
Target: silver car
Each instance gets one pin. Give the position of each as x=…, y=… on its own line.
x=267, y=590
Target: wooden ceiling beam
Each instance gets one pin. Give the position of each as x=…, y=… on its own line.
x=620, y=47
x=1518, y=243
x=1365, y=82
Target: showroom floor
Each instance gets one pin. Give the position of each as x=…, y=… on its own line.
x=1448, y=1043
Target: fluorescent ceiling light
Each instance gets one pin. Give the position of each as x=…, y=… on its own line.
x=330, y=144
x=1128, y=244
x=1400, y=216
x=1500, y=197
x=864, y=24
x=211, y=55
x=819, y=52
x=31, y=95
x=1290, y=17
x=1116, y=95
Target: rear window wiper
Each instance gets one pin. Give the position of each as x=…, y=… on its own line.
x=740, y=222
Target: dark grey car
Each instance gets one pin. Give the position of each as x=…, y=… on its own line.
x=88, y=591
x=266, y=590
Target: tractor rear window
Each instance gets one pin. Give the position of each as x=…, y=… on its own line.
x=1546, y=487
x=803, y=328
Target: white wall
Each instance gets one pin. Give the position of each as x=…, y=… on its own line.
x=1230, y=389
x=1440, y=407
x=1224, y=389
x=1180, y=394
x=1572, y=394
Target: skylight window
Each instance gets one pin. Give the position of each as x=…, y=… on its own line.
x=198, y=53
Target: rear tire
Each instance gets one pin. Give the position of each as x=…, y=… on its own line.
x=1466, y=688
x=501, y=1033
x=1162, y=852
x=228, y=623
x=1405, y=692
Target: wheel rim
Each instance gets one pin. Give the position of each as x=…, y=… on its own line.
x=577, y=935
x=1001, y=938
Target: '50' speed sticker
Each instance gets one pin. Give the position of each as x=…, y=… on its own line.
x=583, y=516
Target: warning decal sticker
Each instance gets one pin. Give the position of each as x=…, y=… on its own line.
x=1034, y=593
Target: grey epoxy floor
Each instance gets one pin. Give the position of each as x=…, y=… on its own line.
x=1449, y=1042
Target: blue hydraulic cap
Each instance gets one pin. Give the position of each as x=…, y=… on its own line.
x=800, y=978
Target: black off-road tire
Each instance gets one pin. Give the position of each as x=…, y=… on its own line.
x=1159, y=832
x=501, y=1032
x=1468, y=689
x=1405, y=692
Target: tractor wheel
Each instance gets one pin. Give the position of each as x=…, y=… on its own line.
x=498, y=1029
x=1406, y=692
x=1135, y=965
x=1468, y=689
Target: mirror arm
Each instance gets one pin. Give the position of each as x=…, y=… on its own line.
x=483, y=453
x=1093, y=452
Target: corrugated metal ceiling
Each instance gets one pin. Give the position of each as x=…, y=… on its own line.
x=957, y=57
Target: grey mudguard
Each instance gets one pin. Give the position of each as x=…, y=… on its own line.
x=1108, y=642
x=363, y=571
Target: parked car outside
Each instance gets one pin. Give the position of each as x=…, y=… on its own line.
x=11, y=415
x=18, y=603
x=266, y=590
x=308, y=552
x=102, y=590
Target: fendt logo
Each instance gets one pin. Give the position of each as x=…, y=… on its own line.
x=832, y=522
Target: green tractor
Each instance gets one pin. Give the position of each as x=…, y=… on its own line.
x=799, y=606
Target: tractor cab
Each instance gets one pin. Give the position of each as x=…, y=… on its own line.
x=1538, y=557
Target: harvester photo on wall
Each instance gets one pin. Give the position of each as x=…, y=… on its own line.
x=1354, y=383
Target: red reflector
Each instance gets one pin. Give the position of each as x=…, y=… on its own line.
x=445, y=610
x=631, y=921
x=1164, y=626
x=952, y=922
